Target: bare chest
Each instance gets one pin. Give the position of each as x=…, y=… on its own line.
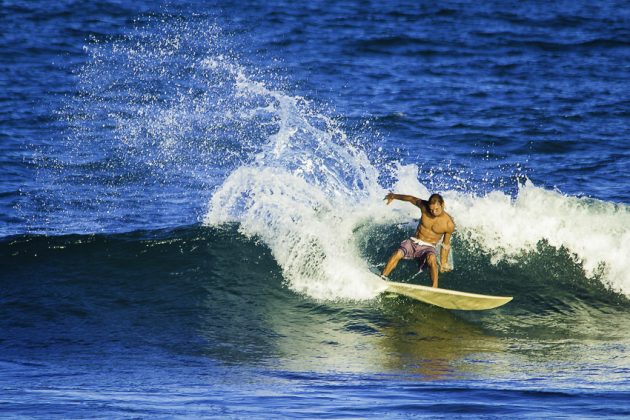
x=436, y=226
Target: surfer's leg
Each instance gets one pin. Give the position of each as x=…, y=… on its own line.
x=393, y=261
x=433, y=268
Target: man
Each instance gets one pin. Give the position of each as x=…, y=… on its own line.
x=435, y=224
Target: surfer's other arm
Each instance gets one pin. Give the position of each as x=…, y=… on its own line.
x=446, y=247
x=409, y=198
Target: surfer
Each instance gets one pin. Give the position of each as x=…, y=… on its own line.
x=435, y=225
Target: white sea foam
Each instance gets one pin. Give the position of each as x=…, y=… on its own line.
x=596, y=232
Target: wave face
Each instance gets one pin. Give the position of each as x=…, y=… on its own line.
x=199, y=304
x=214, y=291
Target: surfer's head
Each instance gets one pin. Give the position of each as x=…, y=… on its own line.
x=436, y=204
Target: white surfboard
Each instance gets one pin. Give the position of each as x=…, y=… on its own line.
x=448, y=299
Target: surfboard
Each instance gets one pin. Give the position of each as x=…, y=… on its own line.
x=447, y=299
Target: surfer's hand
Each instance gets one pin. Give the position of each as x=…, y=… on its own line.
x=444, y=268
x=389, y=197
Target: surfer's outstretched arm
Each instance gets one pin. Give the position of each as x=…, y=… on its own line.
x=409, y=198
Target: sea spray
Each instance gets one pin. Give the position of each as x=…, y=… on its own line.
x=174, y=111
x=152, y=129
x=302, y=195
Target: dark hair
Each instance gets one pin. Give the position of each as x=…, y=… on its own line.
x=436, y=198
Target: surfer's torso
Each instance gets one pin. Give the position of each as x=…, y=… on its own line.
x=432, y=228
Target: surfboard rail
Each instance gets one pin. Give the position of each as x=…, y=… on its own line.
x=446, y=298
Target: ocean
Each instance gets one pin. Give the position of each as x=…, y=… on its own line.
x=192, y=213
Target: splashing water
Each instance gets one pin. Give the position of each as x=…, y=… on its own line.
x=302, y=195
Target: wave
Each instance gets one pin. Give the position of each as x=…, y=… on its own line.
x=309, y=190
x=216, y=288
x=212, y=292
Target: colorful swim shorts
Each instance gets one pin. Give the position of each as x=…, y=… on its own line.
x=414, y=249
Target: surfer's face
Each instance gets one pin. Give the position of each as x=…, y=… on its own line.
x=436, y=209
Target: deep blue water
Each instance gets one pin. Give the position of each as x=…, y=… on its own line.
x=191, y=208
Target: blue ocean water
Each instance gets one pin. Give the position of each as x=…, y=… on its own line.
x=191, y=208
